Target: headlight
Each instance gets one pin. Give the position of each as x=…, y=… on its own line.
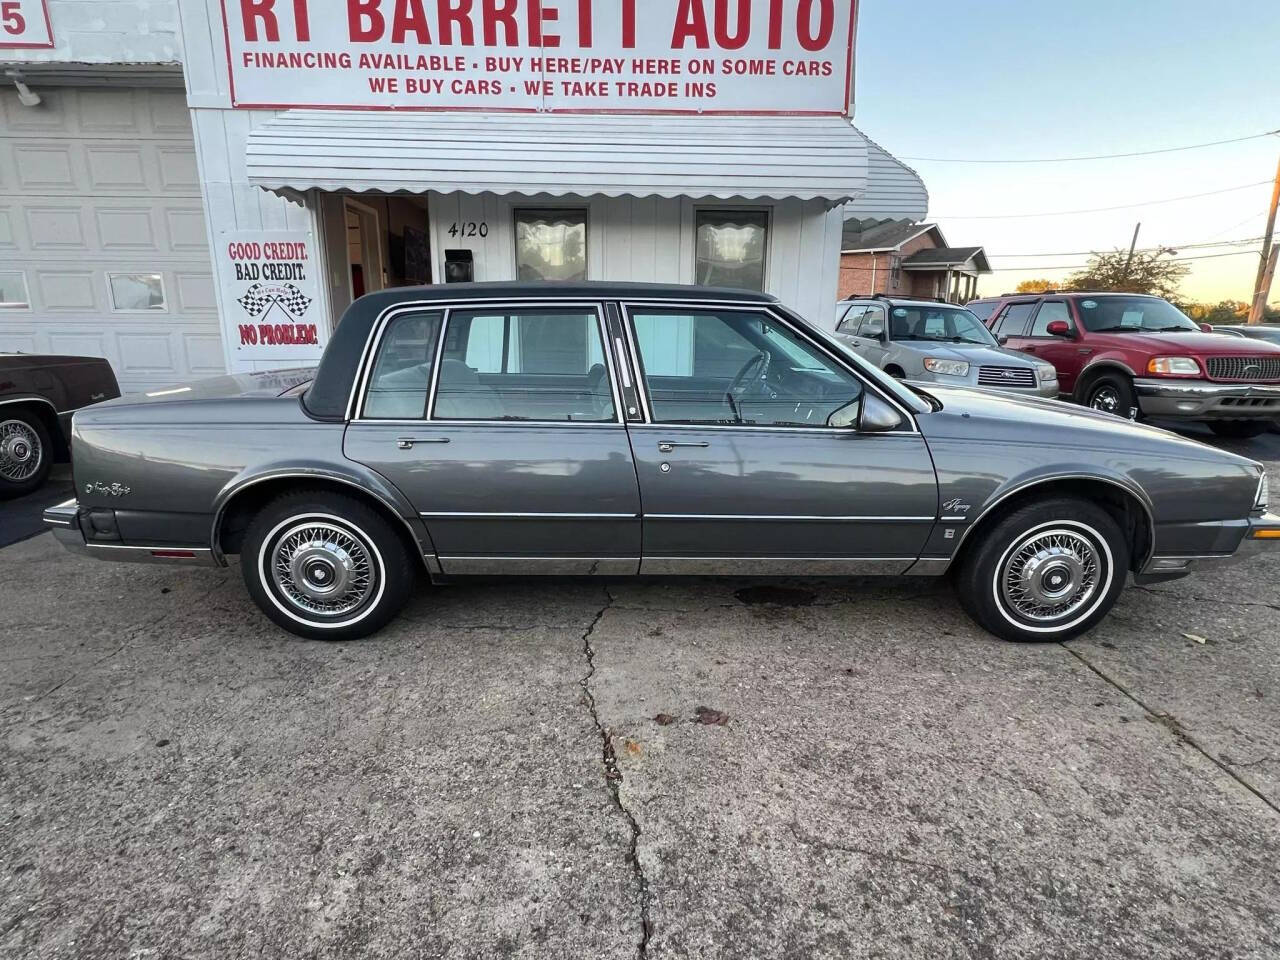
x=1047, y=373
x=1173, y=367
x=947, y=368
x=1264, y=493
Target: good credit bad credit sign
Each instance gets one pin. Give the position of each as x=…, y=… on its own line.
x=269, y=284
x=596, y=56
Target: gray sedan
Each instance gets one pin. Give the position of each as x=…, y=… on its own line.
x=929, y=342
x=623, y=429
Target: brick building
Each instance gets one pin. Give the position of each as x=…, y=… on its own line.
x=903, y=258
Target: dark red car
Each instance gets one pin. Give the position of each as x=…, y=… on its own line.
x=1134, y=355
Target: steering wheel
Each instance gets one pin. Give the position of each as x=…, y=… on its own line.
x=753, y=371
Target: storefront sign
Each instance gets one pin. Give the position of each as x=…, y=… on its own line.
x=595, y=56
x=269, y=284
x=25, y=24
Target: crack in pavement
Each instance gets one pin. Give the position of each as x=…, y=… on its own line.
x=1171, y=723
x=613, y=779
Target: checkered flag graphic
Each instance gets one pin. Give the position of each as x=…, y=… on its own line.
x=294, y=300
x=255, y=301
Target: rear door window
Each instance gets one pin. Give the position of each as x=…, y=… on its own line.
x=524, y=363
x=1013, y=321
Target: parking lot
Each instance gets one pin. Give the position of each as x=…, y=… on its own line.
x=663, y=768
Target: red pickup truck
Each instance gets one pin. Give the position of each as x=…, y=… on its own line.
x=1134, y=355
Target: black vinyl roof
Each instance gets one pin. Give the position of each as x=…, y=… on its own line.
x=327, y=398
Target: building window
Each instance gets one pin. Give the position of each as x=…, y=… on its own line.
x=731, y=248
x=551, y=245
x=895, y=272
x=13, y=290
x=136, y=291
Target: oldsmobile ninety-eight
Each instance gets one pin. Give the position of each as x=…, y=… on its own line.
x=607, y=429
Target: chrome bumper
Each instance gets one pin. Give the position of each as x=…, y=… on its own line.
x=65, y=521
x=1201, y=399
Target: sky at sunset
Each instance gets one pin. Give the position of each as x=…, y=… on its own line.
x=1012, y=79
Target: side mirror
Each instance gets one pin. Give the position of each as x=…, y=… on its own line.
x=1206, y=328
x=875, y=331
x=1058, y=328
x=877, y=416
x=1003, y=339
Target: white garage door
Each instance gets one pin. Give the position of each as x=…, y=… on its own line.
x=103, y=250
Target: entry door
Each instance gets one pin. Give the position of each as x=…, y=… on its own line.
x=509, y=444
x=743, y=465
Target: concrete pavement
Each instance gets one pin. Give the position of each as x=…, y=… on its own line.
x=521, y=770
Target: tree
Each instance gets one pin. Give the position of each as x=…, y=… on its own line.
x=1152, y=271
x=1037, y=286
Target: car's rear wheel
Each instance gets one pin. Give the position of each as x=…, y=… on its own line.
x=1049, y=570
x=1112, y=393
x=1239, y=429
x=25, y=453
x=325, y=566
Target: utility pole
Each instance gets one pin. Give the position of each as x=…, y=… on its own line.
x=1267, y=266
x=1133, y=245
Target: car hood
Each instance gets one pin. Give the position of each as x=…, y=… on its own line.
x=1038, y=418
x=1188, y=344
x=970, y=353
x=269, y=383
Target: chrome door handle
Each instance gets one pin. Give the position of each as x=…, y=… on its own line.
x=406, y=443
x=666, y=446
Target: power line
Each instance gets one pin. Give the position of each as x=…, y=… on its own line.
x=1100, y=156
x=1079, y=266
x=1167, y=246
x=1123, y=206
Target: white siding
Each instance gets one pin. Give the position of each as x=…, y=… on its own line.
x=108, y=32
x=651, y=239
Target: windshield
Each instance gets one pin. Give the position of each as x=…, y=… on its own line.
x=1133, y=315
x=939, y=324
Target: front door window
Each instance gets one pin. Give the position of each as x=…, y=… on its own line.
x=733, y=367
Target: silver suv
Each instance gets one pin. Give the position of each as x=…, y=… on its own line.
x=938, y=343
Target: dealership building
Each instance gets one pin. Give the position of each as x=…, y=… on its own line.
x=198, y=187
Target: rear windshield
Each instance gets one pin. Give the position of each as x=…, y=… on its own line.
x=1133, y=315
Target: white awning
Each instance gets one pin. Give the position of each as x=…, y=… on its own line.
x=894, y=191
x=823, y=158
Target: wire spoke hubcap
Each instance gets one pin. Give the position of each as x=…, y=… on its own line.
x=20, y=451
x=1051, y=575
x=322, y=569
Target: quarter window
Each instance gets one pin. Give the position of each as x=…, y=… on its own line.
x=528, y=364
x=1050, y=311
x=737, y=368
x=402, y=372
x=551, y=245
x=13, y=290
x=731, y=248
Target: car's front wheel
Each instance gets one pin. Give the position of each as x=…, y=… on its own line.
x=25, y=453
x=1112, y=393
x=325, y=566
x=1050, y=570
